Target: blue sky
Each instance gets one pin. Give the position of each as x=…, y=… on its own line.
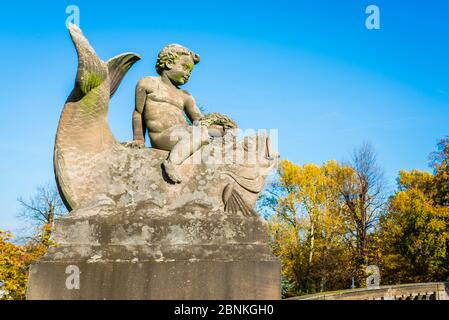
x=307, y=68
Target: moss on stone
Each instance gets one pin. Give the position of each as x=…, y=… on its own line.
x=89, y=81
x=217, y=119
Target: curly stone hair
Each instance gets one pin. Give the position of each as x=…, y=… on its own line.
x=171, y=53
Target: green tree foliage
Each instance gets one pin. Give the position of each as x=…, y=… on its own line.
x=415, y=232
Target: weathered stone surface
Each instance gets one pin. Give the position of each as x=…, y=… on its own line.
x=126, y=177
x=183, y=280
x=147, y=227
x=193, y=255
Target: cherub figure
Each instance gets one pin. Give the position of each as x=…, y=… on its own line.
x=161, y=107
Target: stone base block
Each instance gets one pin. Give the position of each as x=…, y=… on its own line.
x=157, y=255
x=167, y=280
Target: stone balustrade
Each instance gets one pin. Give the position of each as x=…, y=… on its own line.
x=416, y=291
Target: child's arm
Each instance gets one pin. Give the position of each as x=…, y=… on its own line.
x=191, y=109
x=139, y=127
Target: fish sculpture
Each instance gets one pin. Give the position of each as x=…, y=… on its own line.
x=96, y=174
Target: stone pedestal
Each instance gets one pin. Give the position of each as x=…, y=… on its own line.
x=194, y=254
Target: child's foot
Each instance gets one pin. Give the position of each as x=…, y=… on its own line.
x=171, y=172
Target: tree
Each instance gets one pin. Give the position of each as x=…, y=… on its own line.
x=415, y=233
x=328, y=223
x=15, y=261
x=306, y=228
x=439, y=160
x=323, y=220
x=361, y=187
x=42, y=208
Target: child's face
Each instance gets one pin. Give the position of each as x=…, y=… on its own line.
x=179, y=71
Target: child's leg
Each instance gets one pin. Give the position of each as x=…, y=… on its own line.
x=188, y=143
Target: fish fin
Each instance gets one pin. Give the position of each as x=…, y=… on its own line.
x=227, y=192
x=234, y=202
x=242, y=205
x=118, y=67
x=91, y=70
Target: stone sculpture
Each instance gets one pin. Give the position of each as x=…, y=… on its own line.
x=161, y=108
x=152, y=223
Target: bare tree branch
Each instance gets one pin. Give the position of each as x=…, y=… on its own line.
x=43, y=207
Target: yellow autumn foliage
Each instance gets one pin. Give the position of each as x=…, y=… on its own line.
x=415, y=232
x=15, y=261
x=307, y=231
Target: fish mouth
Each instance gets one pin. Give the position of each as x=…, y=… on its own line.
x=269, y=153
x=262, y=146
